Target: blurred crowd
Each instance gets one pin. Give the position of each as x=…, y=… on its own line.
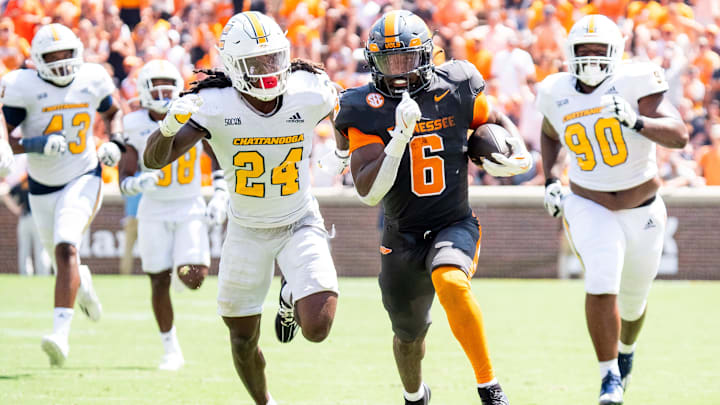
x=513, y=43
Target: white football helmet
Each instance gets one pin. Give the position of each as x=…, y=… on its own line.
x=158, y=69
x=256, y=55
x=595, y=29
x=51, y=38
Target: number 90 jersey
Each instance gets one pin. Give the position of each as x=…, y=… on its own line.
x=266, y=157
x=53, y=109
x=604, y=154
x=179, y=189
x=431, y=187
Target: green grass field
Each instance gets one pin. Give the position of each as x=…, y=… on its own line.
x=538, y=342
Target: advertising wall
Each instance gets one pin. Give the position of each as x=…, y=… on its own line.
x=519, y=240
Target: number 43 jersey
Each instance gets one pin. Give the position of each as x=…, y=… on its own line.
x=604, y=154
x=69, y=110
x=266, y=157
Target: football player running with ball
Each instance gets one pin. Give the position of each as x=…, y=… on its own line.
x=609, y=115
x=258, y=118
x=55, y=107
x=172, y=230
x=408, y=132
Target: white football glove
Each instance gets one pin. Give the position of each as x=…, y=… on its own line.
x=407, y=113
x=145, y=181
x=554, y=196
x=334, y=162
x=518, y=163
x=7, y=159
x=109, y=154
x=619, y=108
x=179, y=113
x=55, y=145
x=216, y=211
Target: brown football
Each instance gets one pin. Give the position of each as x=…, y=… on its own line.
x=486, y=140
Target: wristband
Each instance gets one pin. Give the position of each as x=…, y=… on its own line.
x=639, y=125
x=118, y=139
x=34, y=145
x=551, y=180
x=342, y=154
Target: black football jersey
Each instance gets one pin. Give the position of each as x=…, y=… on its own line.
x=431, y=187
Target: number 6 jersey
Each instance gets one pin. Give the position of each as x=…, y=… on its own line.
x=52, y=109
x=605, y=155
x=431, y=187
x=266, y=157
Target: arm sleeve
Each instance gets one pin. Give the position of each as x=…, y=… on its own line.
x=105, y=104
x=383, y=181
x=358, y=139
x=14, y=115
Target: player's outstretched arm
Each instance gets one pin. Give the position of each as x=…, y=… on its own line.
x=176, y=135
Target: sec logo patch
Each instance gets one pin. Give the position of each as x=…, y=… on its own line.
x=375, y=100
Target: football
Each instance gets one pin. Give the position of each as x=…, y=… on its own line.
x=486, y=140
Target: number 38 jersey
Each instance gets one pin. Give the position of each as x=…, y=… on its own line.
x=53, y=109
x=605, y=155
x=431, y=187
x=266, y=158
x=179, y=190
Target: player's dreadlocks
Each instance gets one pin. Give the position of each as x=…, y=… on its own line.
x=218, y=79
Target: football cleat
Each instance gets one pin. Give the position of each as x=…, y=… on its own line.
x=285, y=325
x=422, y=401
x=57, y=349
x=493, y=395
x=625, y=363
x=611, y=391
x=172, y=361
x=88, y=301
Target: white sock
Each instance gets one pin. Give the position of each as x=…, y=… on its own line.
x=271, y=401
x=487, y=384
x=626, y=349
x=416, y=396
x=170, y=341
x=610, y=365
x=62, y=317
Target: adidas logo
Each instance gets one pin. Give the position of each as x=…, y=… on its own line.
x=612, y=90
x=295, y=119
x=650, y=224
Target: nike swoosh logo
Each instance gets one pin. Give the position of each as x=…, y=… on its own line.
x=440, y=97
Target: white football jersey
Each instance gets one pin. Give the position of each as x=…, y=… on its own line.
x=179, y=190
x=71, y=109
x=266, y=158
x=605, y=155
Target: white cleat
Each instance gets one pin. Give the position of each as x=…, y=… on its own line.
x=171, y=362
x=87, y=299
x=56, y=348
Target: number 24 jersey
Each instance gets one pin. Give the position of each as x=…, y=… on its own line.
x=266, y=158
